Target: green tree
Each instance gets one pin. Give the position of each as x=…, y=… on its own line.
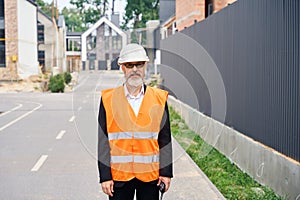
x=90, y=10
x=46, y=7
x=73, y=20
x=140, y=11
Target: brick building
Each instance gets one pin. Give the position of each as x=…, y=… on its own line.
x=18, y=45
x=29, y=39
x=189, y=12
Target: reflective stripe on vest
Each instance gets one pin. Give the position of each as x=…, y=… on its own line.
x=133, y=139
x=136, y=159
x=132, y=135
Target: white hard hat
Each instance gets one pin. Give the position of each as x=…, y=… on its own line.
x=132, y=53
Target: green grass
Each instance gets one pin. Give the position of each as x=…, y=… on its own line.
x=232, y=182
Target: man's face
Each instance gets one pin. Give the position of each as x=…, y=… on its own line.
x=134, y=72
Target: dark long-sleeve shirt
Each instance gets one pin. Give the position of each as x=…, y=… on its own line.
x=164, y=142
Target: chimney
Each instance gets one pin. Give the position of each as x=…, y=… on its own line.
x=115, y=18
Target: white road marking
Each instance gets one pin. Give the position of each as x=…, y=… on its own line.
x=21, y=117
x=15, y=108
x=79, y=108
x=39, y=163
x=72, y=119
x=60, y=135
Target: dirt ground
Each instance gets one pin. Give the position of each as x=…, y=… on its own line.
x=20, y=86
x=35, y=83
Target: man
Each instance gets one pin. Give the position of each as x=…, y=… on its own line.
x=134, y=144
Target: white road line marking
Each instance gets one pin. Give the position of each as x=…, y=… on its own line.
x=60, y=135
x=39, y=163
x=72, y=119
x=84, y=101
x=79, y=108
x=15, y=108
x=19, y=118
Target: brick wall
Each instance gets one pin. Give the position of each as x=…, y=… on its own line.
x=11, y=42
x=220, y=4
x=189, y=11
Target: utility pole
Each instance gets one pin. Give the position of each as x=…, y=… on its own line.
x=113, y=7
x=104, y=7
x=52, y=8
x=56, y=9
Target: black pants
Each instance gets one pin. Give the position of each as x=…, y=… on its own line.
x=144, y=190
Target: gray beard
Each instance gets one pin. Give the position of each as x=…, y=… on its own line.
x=135, y=82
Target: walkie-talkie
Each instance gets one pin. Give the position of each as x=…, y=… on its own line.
x=162, y=188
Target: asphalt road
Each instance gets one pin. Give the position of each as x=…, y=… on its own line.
x=48, y=145
x=48, y=142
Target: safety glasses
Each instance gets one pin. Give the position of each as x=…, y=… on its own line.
x=131, y=65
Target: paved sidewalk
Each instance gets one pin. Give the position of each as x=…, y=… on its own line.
x=189, y=182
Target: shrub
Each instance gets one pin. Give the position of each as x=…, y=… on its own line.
x=57, y=83
x=67, y=77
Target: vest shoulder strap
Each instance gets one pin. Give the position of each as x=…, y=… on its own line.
x=106, y=94
x=162, y=95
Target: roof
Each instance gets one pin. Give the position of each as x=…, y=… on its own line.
x=44, y=14
x=32, y=2
x=94, y=27
x=98, y=23
x=74, y=34
x=169, y=21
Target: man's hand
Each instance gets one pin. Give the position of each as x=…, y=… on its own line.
x=166, y=180
x=108, y=187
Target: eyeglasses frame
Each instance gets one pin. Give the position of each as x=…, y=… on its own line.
x=137, y=65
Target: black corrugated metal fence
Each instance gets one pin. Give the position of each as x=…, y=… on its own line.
x=241, y=66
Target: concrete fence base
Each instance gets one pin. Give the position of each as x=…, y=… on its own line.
x=265, y=165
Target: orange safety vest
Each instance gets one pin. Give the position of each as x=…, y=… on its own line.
x=133, y=139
